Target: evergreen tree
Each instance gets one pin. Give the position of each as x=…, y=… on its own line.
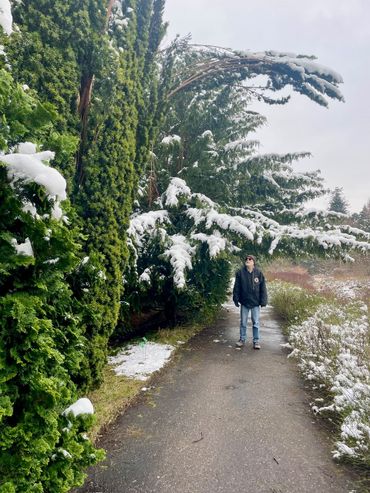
x=214, y=67
x=337, y=202
x=207, y=193
x=362, y=220
x=206, y=140
x=365, y=216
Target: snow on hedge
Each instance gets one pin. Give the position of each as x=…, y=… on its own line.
x=28, y=166
x=23, y=248
x=6, y=18
x=352, y=289
x=81, y=406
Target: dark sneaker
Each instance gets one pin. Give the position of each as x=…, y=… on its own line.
x=256, y=345
x=240, y=343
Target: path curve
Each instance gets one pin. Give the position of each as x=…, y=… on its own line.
x=222, y=420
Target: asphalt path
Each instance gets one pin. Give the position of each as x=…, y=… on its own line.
x=219, y=419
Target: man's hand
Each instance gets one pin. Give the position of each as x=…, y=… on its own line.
x=236, y=304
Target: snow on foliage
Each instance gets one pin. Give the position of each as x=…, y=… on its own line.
x=179, y=255
x=216, y=243
x=331, y=349
x=171, y=139
x=176, y=188
x=240, y=144
x=236, y=224
x=6, y=18
x=224, y=231
x=349, y=290
x=27, y=166
x=145, y=276
x=81, y=406
x=145, y=223
x=23, y=248
x=301, y=72
x=118, y=18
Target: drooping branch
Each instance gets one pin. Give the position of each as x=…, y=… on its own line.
x=300, y=72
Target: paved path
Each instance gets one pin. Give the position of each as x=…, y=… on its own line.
x=221, y=420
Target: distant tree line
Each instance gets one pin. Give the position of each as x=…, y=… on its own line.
x=338, y=203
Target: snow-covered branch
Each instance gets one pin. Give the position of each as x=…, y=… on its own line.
x=301, y=72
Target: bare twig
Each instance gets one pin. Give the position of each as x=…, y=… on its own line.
x=199, y=439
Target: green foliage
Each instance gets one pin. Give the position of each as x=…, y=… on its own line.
x=205, y=290
x=291, y=303
x=41, y=347
x=222, y=192
x=42, y=56
x=205, y=139
x=22, y=114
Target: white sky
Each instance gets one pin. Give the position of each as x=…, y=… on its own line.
x=338, y=33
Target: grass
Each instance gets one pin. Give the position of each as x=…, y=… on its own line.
x=112, y=397
x=293, y=304
x=173, y=336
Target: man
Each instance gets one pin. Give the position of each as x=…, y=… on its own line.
x=250, y=291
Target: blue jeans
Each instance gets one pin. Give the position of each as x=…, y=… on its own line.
x=244, y=312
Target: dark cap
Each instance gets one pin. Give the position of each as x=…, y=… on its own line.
x=252, y=257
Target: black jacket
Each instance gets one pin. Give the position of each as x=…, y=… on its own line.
x=250, y=288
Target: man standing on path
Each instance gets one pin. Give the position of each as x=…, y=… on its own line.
x=250, y=292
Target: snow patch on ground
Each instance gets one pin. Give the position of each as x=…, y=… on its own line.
x=139, y=361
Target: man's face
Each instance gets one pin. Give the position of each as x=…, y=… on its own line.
x=249, y=262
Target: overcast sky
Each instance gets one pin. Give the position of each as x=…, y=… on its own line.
x=338, y=33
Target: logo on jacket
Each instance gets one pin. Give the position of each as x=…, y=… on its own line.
x=256, y=280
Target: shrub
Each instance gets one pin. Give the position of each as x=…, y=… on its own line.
x=41, y=345
x=41, y=340
x=331, y=342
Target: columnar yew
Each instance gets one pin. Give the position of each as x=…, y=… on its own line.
x=94, y=60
